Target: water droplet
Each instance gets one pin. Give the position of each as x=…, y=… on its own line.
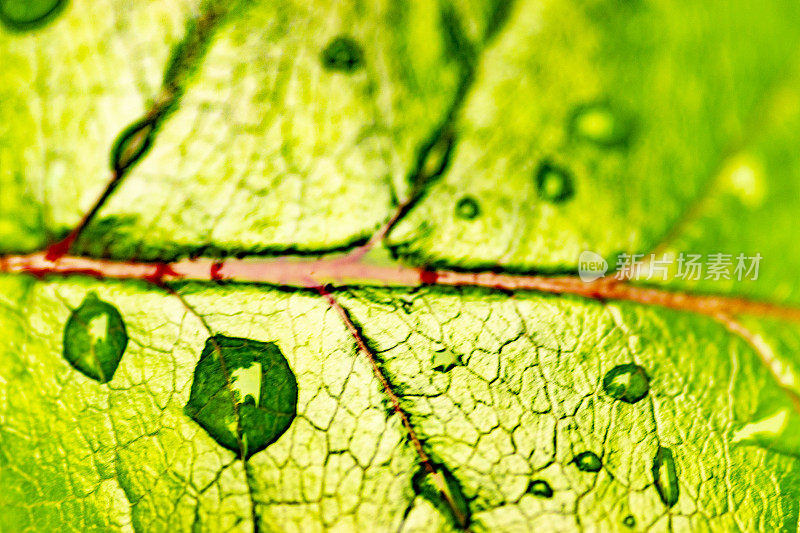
x=343, y=54
x=588, y=462
x=26, y=15
x=554, y=183
x=541, y=488
x=599, y=124
x=467, y=208
x=628, y=382
x=665, y=476
x=629, y=521
x=445, y=361
x=244, y=394
x=95, y=338
x=443, y=490
x=132, y=144
x=434, y=158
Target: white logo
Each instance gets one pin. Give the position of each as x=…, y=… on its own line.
x=591, y=266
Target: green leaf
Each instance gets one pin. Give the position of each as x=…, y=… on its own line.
x=499, y=136
x=67, y=90
x=635, y=101
x=244, y=393
x=308, y=145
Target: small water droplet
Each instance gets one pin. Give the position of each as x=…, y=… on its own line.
x=588, y=462
x=26, y=15
x=468, y=208
x=665, y=476
x=435, y=157
x=95, y=338
x=443, y=490
x=445, y=361
x=599, y=124
x=629, y=521
x=243, y=394
x=131, y=145
x=343, y=54
x=541, y=488
x=628, y=382
x=554, y=183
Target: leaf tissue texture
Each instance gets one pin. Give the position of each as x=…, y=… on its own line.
x=68, y=89
x=312, y=265
x=637, y=103
x=300, y=115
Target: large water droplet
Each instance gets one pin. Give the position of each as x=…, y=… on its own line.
x=629, y=521
x=343, y=54
x=588, y=462
x=467, y=208
x=132, y=144
x=628, y=382
x=599, y=124
x=443, y=490
x=95, y=338
x=25, y=15
x=554, y=183
x=244, y=394
x=665, y=476
x=541, y=488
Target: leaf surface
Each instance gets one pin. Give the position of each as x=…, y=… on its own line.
x=499, y=136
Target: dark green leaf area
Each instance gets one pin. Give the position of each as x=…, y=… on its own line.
x=443, y=490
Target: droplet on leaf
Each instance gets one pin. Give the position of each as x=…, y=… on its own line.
x=435, y=157
x=599, y=124
x=629, y=521
x=244, y=394
x=467, y=208
x=25, y=15
x=343, y=54
x=445, y=361
x=628, y=382
x=588, y=462
x=95, y=338
x=541, y=488
x=444, y=492
x=554, y=183
x=665, y=476
x=132, y=144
